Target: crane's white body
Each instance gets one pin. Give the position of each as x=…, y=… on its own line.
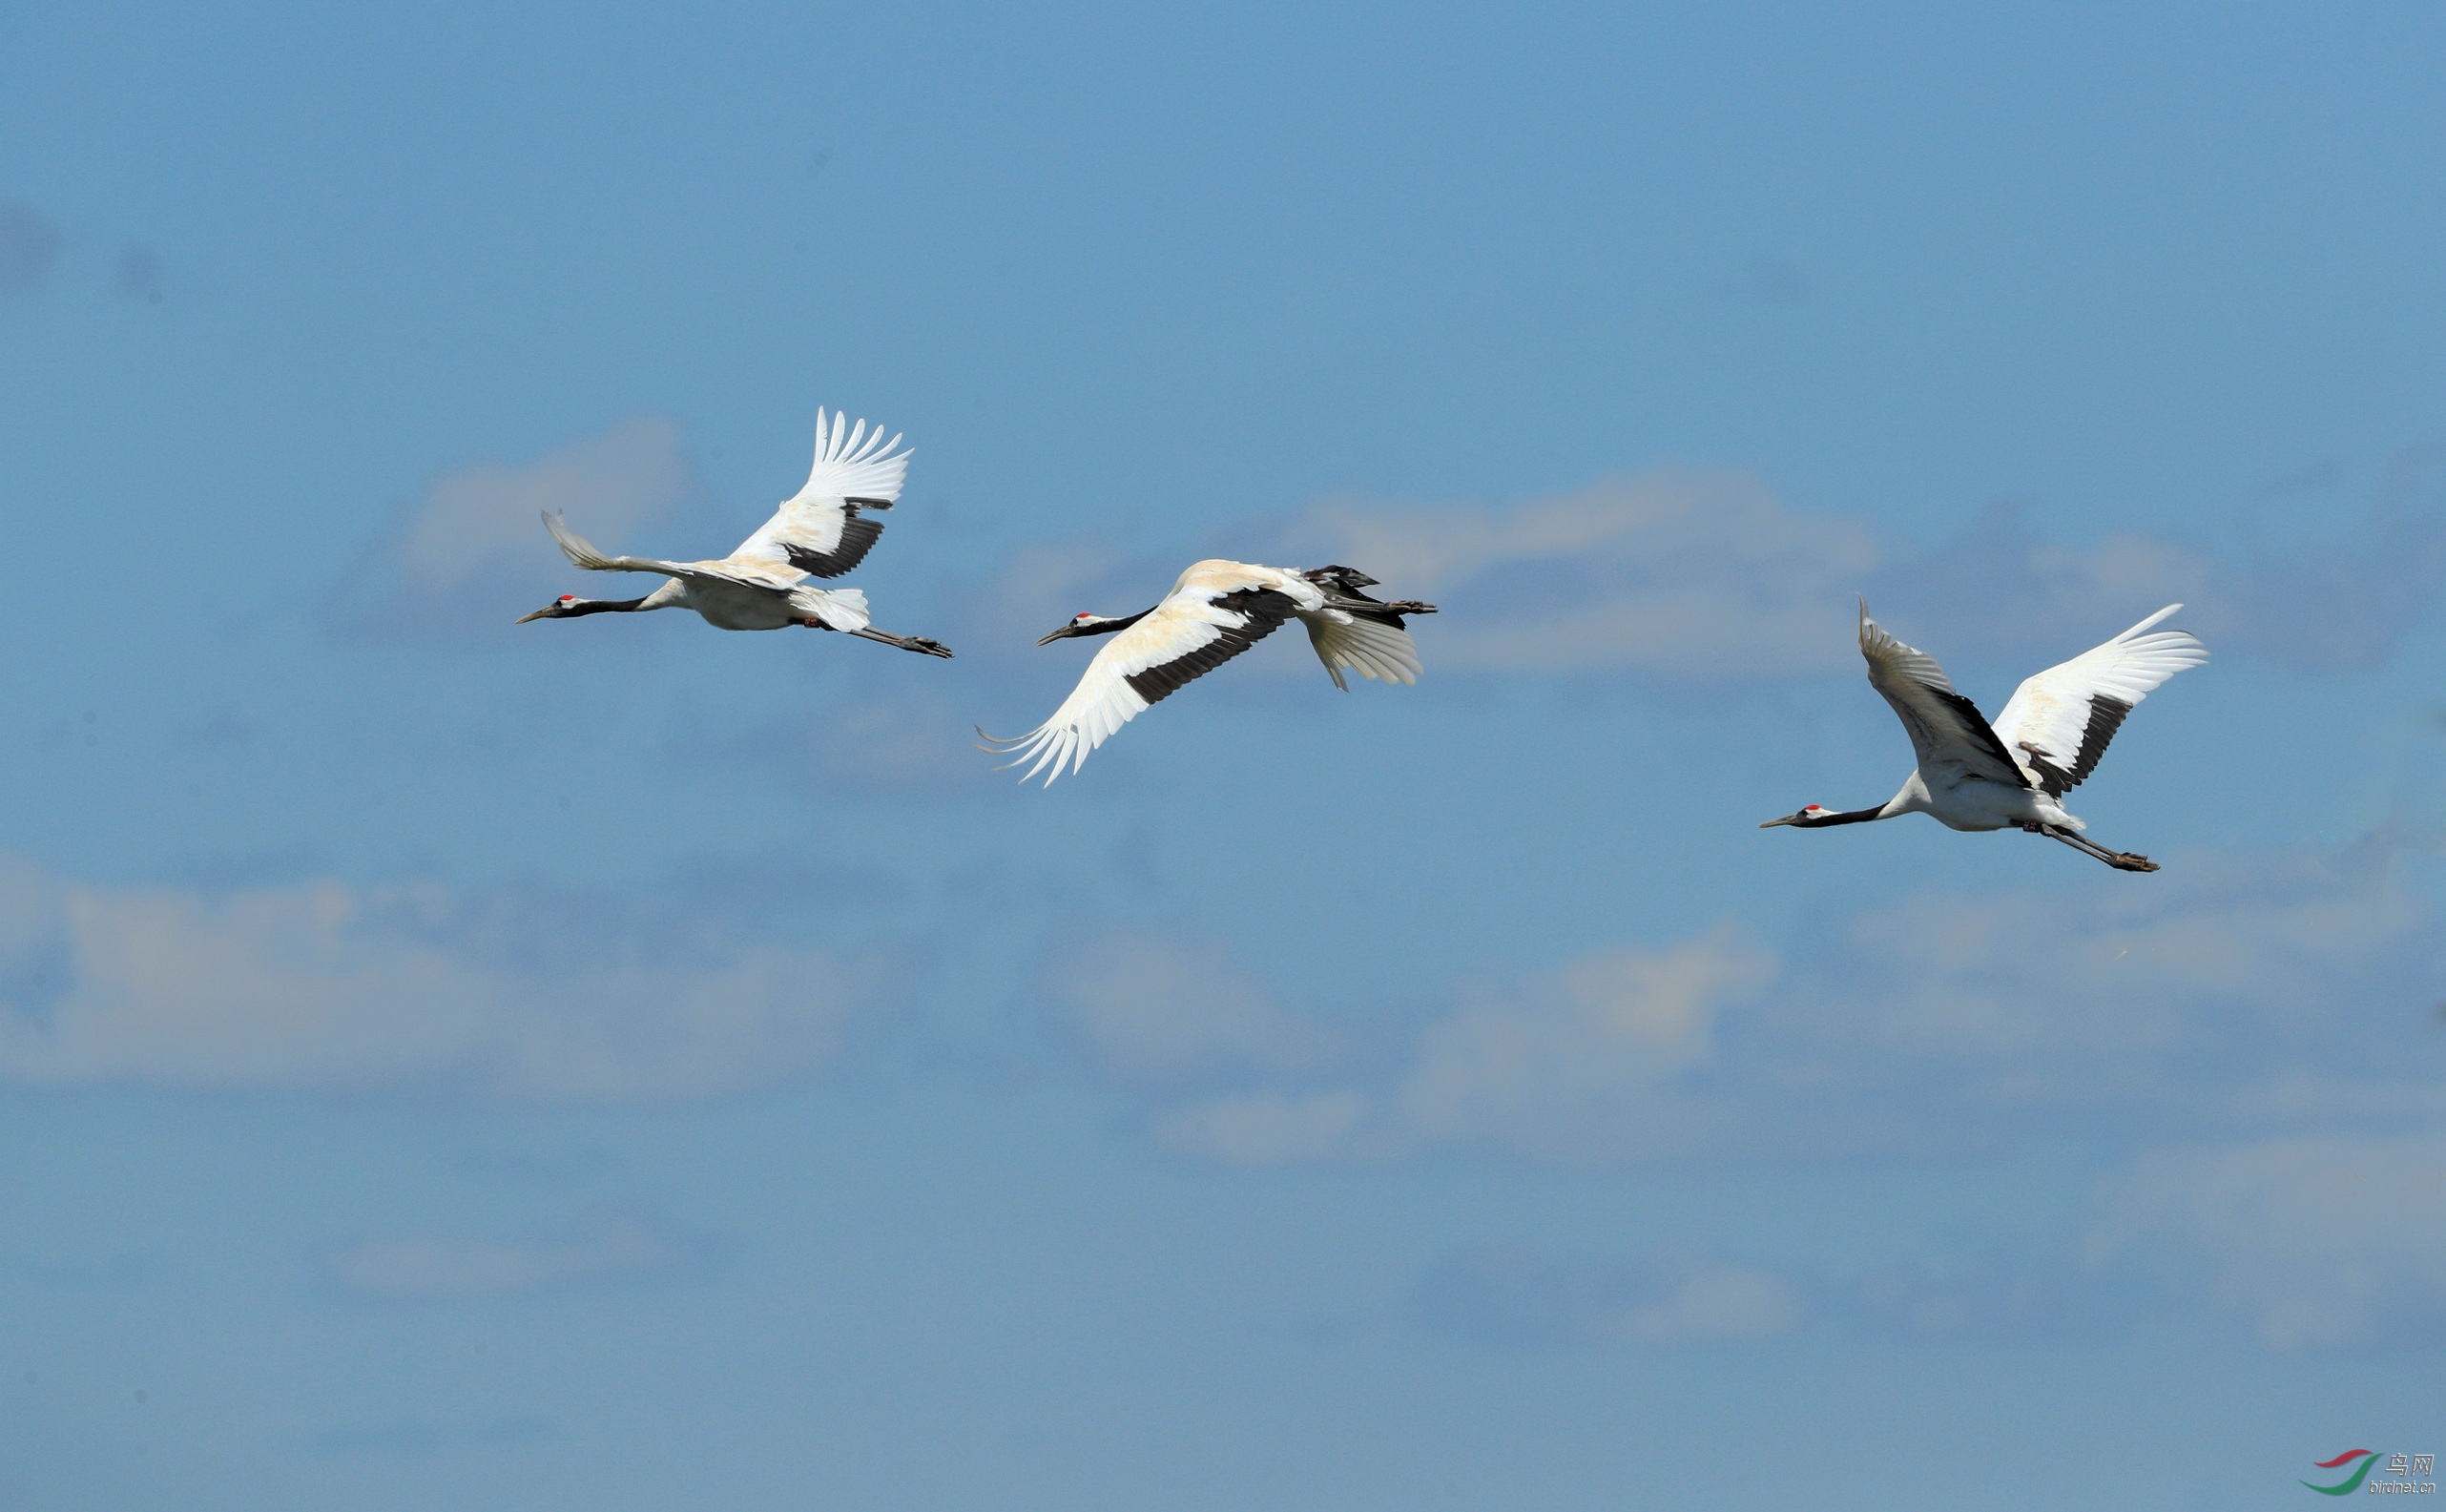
x=2013, y=773
x=1217, y=610
x=736, y=592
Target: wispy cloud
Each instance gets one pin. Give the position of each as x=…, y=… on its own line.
x=893, y=737
x=1268, y=1127
x=1516, y=1298
x=2337, y=605
x=618, y=1249
x=2021, y=1292
x=1528, y=1069
x=1704, y=577
x=1682, y=573
x=1579, y=1062
x=328, y=985
x=1693, y=575
x=1159, y=1007
x=2318, y=1242
x=471, y=554
x=2026, y=1292
x=1979, y=1021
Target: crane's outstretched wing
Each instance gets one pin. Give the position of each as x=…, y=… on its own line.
x=2060, y=721
x=818, y=529
x=1952, y=743
x=1196, y=629
x=585, y=553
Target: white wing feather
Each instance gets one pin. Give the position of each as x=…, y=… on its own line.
x=2054, y=710
x=851, y=462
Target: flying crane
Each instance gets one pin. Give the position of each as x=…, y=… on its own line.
x=1217, y=611
x=2013, y=774
x=818, y=532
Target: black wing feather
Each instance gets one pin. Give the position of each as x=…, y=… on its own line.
x=2106, y=714
x=1262, y=612
x=1974, y=726
x=857, y=539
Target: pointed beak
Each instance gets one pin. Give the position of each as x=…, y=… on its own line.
x=1065, y=631
x=538, y=615
x=1789, y=818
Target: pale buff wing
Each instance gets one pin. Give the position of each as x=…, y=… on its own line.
x=2060, y=721
x=1210, y=618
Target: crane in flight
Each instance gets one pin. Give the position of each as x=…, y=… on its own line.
x=817, y=531
x=1217, y=611
x=2013, y=774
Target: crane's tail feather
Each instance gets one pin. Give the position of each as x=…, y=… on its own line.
x=1373, y=650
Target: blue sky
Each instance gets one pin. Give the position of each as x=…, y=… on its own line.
x=616, y=1064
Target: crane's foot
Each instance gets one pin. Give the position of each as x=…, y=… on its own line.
x=2127, y=862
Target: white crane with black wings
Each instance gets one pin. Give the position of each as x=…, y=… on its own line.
x=817, y=533
x=2013, y=774
x=1215, y=611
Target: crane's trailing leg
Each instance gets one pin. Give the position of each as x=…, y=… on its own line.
x=2121, y=860
x=916, y=643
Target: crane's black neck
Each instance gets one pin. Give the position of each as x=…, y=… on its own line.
x=1847, y=816
x=601, y=606
x=1112, y=626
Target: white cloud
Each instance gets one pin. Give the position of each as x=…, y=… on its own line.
x=2322, y=1241
x=1999, y=589
x=1266, y=1127
x=903, y=740
x=1579, y=1062
x=1683, y=573
x=472, y=554
x=2023, y=1290
x=1725, y=1305
x=1527, y=1071
x=1690, y=575
x=1154, y=1006
x=2232, y=992
x=425, y=1268
x=328, y=984
x=1521, y=1299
